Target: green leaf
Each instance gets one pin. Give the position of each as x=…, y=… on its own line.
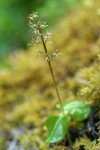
x=77, y=109
x=57, y=128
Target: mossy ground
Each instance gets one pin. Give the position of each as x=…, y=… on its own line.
x=27, y=95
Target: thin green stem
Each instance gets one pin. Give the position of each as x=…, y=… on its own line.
x=50, y=67
x=52, y=74
x=69, y=140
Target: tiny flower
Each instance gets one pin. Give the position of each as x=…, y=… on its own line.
x=38, y=28
x=42, y=26
x=48, y=58
x=35, y=15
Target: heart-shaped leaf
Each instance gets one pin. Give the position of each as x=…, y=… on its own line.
x=57, y=128
x=79, y=110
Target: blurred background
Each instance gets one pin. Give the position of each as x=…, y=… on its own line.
x=14, y=30
x=26, y=88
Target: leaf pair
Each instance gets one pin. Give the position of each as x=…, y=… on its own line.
x=58, y=125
